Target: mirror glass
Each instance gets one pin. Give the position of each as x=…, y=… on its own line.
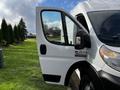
x=78, y=40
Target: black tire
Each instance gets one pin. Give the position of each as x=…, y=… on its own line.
x=86, y=83
x=74, y=82
x=89, y=80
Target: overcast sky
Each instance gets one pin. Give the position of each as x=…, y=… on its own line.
x=13, y=10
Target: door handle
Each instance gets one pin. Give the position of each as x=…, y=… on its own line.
x=43, y=49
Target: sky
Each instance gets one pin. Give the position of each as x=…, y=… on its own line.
x=14, y=10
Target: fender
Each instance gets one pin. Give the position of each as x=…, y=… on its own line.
x=84, y=66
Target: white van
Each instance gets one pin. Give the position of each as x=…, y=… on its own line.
x=83, y=53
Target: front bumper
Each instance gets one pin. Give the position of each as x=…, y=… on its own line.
x=109, y=81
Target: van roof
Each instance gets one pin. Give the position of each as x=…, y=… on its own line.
x=96, y=5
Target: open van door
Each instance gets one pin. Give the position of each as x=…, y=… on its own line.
x=56, y=33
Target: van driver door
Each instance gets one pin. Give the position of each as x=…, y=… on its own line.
x=56, y=32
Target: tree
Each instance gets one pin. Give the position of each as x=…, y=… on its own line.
x=1, y=37
x=4, y=30
x=22, y=30
x=16, y=34
x=10, y=34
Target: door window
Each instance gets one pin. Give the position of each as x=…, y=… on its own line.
x=71, y=30
x=59, y=28
x=52, y=24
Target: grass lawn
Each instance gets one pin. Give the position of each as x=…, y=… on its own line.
x=21, y=70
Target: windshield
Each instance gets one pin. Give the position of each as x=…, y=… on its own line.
x=107, y=26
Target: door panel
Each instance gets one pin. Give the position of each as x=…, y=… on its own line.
x=55, y=43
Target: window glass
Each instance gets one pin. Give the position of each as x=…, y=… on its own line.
x=53, y=29
x=107, y=26
x=71, y=30
x=82, y=20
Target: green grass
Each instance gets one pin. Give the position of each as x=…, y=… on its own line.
x=22, y=69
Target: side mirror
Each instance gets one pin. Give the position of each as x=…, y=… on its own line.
x=82, y=40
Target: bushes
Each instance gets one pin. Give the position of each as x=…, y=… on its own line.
x=9, y=35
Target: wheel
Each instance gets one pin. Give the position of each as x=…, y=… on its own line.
x=74, y=82
x=86, y=83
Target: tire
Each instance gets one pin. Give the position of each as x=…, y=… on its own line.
x=86, y=83
x=74, y=82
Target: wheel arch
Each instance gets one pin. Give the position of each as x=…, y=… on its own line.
x=82, y=66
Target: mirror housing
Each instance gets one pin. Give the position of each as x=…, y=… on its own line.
x=82, y=40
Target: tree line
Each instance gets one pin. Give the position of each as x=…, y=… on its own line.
x=11, y=35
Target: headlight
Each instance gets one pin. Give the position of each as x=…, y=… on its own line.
x=110, y=57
